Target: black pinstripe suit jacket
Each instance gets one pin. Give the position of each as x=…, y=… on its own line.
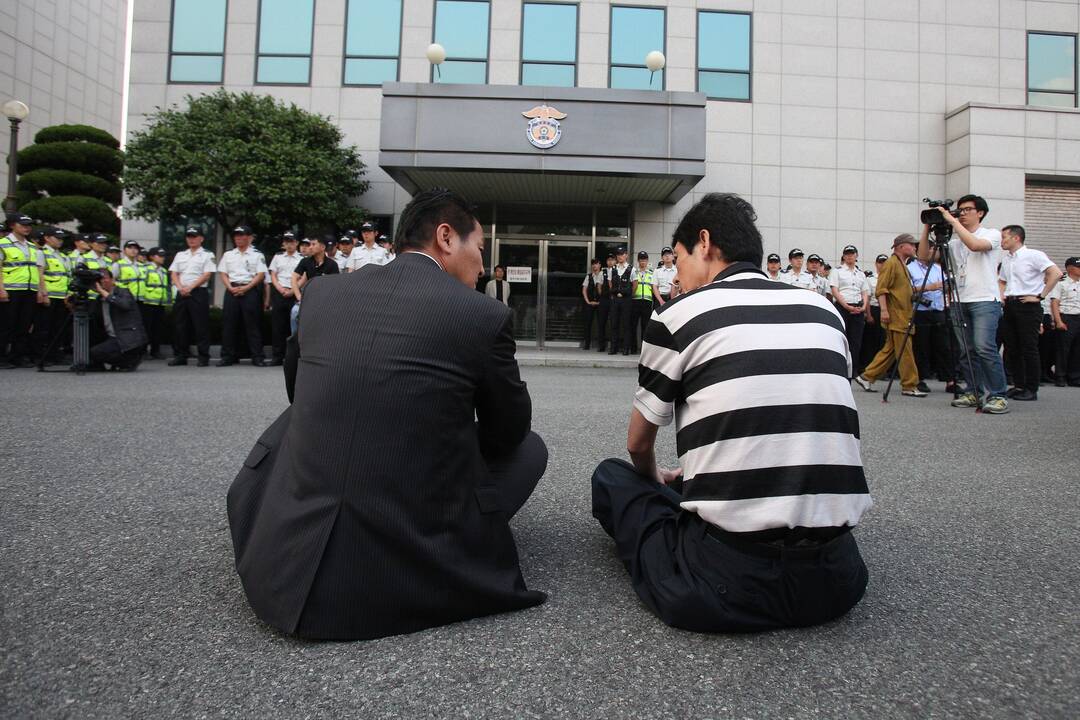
x=361, y=512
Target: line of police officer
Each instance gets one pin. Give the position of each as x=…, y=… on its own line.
x=36, y=274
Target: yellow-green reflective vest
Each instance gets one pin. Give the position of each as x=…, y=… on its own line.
x=154, y=288
x=20, y=266
x=92, y=262
x=644, y=285
x=56, y=273
x=127, y=275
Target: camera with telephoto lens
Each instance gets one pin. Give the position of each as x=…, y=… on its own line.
x=83, y=280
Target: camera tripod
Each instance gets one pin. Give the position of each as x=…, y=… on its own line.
x=955, y=319
x=79, y=322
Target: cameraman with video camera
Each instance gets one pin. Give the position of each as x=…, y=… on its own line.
x=974, y=251
x=121, y=326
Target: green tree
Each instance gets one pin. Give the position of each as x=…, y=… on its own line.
x=72, y=172
x=243, y=158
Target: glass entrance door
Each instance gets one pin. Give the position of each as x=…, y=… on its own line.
x=545, y=286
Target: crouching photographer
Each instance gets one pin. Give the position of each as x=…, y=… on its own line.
x=116, y=318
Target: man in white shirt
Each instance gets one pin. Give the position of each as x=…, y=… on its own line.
x=189, y=273
x=242, y=271
x=797, y=276
x=665, y=277
x=772, y=268
x=345, y=246
x=1065, y=309
x=1027, y=276
x=975, y=252
x=852, y=295
x=366, y=252
x=282, y=297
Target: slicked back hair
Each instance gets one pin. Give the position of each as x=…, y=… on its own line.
x=730, y=222
x=425, y=212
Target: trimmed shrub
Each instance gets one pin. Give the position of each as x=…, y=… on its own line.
x=74, y=133
x=69, y=182
x=93, y=214
x=97, y=160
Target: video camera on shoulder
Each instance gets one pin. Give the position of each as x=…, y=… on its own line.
x=934, y=217
x=83, y=279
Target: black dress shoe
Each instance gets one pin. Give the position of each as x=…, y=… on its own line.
x=612, y=351
x=1060, y=383
x=178, y=361
x=203, y=362
x=5, y=365
x=922, y=387
x=258, y=362
x=601, y=348
x=1013, y=392
x=225, y=363
x=625, y=352
x=1025, y=395
x=275, y=363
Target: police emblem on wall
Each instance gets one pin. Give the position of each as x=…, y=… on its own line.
x=544, y=129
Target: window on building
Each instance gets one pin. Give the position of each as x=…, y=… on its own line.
x=461, y=27
x=1051, y=69
x=372, y=41
x=723, y=52
x=549, y=44
x=284, y=54
x=635, y=32
x=197, y=47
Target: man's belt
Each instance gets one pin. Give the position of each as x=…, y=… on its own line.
x=778, y=541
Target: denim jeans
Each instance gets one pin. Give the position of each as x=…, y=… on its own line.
x=294, y=317
x=982, y=320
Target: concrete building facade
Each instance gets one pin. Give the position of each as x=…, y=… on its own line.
x=833, y=117
x=65, y=60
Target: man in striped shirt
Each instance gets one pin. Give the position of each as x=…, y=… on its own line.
x=753, y=531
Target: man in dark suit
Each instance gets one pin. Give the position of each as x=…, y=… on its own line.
x=119, y=326
x=405, y=525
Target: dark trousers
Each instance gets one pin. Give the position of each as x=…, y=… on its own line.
x=1020, y=332
x=191, y=317
x=153, y=320
x=697, y=577
x=930, y=341
x=48, y=321
x=515, y=474
x=873, y=338
x=109, y=352
x=642, y=312
x=1047, y=348
x=622, y=334
x=280, y=311
x=854, y=327
x=588, y=315
x=16, y=319
x=1068, y=350
x=243, y=311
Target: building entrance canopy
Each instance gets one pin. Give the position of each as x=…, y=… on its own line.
x=540, y=144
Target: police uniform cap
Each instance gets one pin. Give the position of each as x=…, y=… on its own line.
x=113, y=248
x=56, y=232
x=849, y=249
x=132, y=243
x=642, y=255
x=620, y=251
x=193, y=232
x=155, y=251
x=1073, y=262
x=611, y=255
x=814, y=257
x=366, y=227
x=666, y=250
x=21, y=219
x=241, y=230
x=882, y=258
x=103, y=239
x=288, y=235
x=351, y=233
x=305, y=241
x=773, y=257
x=795, y=252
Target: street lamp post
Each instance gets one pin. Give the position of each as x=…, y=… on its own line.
x=16, y=112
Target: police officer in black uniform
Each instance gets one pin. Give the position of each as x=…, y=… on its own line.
x=622, y=337
x=593, y=292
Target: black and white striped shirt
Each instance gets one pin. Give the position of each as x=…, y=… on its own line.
x=755, y=375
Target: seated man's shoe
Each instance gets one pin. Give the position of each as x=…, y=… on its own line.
x=913, y=392
x=923, y=387
x=967, y=400
x=225, y=363
x=178, y=361
x=865, y=384
x=1026, y=396
x=996, y=405
x=258, y=362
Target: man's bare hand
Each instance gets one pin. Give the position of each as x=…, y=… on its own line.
x=666, y=476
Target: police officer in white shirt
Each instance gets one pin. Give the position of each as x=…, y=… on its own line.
x=664, y=277
x=242, y=270
x=1065, y=308
x=345, y=246
x=1027, y=276
x=385, y=244
x=851, y=292
x=813, y=266
x=189, y=273
x=367, y=252
x=772, y=268
x=797, y=276
x=282, y=297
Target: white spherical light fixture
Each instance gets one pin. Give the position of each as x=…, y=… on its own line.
x=15, y=110
x=436, y=54
x=655, y=61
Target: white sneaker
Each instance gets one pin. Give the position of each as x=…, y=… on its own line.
x=913, y=392
x=865, y=384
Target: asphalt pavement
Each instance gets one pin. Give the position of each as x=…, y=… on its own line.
x=120, y=598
